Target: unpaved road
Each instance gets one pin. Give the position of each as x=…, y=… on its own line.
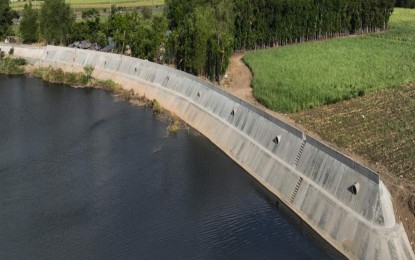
x=238, y=79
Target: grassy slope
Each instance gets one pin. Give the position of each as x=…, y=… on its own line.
x=308, y=75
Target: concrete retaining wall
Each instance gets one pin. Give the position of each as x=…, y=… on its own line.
x=343, y=201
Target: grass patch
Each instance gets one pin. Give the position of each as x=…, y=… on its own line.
x=12, y=66
x=379, y=126
x=16, y=29
x=157, y=109
x=308, y=75
x=57, y=75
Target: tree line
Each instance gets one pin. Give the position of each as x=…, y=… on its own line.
x=6, y=17
x=141, y=33
x=266, y=23
x=405, y=3
x=198, y=36
x=202, y=35
x=205, y=32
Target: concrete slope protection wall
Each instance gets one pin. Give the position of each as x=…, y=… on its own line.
x=343, y=201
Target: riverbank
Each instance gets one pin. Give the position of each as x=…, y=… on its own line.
x=18, y=66
x=247, y=135
x=89, y=178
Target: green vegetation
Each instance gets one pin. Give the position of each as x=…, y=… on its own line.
x=157, y=109
x=175, y=124
x=379, y=126
x=139, y=34
x=261, y=24
x=57, y=75
x=29, y=26
x=205, y=32
x=55, y=20
x=143, y=2
x=405, y=3
x=201, y=41
x=308, y=75
x=11, y=66
x=5, y=18
x=98, y=4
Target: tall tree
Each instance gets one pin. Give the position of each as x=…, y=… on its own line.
x=5, y=18
x=247, y=24
x=29, y=26
x=56, y=21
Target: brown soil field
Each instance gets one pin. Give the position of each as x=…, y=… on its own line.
x=379, y=131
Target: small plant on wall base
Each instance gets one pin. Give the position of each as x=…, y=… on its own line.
x=87, y=76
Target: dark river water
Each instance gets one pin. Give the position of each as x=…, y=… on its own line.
x=85, y=177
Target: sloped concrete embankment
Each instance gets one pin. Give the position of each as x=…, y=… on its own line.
x=343, y=201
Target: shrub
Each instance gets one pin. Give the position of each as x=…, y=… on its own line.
x=175, y=124
x=11, y=66
x=157, y=109
x=86, y=77
x=71, y=78
x=20, y=61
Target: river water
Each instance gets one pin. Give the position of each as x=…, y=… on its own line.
x=85, y=177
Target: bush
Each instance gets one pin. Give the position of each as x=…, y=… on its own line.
x=71, y=78
x=108, y=85
x=86, y=77
x=157, y=109
x=12, y=66
x=175, y=124
x=20, y=61
x=57, y=75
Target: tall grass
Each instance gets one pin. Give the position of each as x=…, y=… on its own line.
x=11, y=66
x=57, y=75
x=308, y=75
